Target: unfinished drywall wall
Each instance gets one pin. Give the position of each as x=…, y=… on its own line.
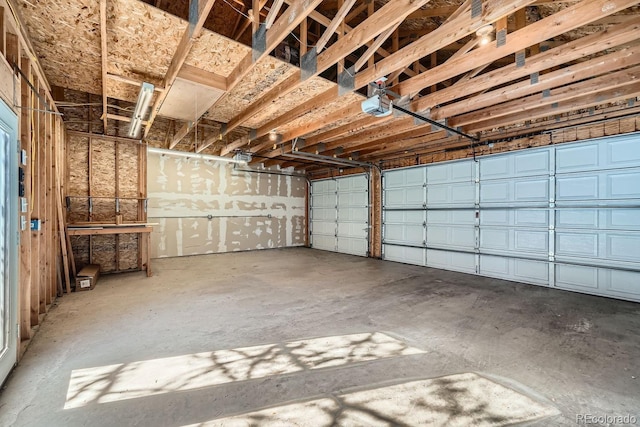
x=205, y=206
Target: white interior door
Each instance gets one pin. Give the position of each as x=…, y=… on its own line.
x=8, y=241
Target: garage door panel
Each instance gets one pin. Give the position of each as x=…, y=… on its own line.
x=459, y=217
x=412, y=217
x=352, y=229
x=352, y=246
x=323, y=200
x=514, y=218
x=451, y=195
x=600, y=281
x=413, y=177
x=520, y=270
x=353, y=199
x=323, y=227
x=600, y=154
x=445, y=173
x=456, y=261
x=508, y=241
x=415, y=256
x=327, y=243
x=408, y=234
x=324, y=186
x=515, y=165
x=515, y=192
x=323, y=214
x=409, y=197
x=357, y=183
x=565, y=215
x=353, y=214
x=456, y=237
x=340, y=214
x=606, y=185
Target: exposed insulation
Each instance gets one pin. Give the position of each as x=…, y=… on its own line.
x=80, y=245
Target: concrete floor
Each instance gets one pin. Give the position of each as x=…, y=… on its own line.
x=575, y=353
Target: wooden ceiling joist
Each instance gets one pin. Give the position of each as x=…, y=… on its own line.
x=103, y=53
x=588, y=45
x=550, y=97
x=565, y=20
x=333, y=26
x=296, y=12
x=383, y=19
x=622, y=92
x=595, y=67
x=461, y=24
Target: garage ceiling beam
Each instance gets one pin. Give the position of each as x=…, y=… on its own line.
x=333, y=25
x=595, y=67
x=296, y=12
x=565, y=20
x=588, y=45
x=103, y=49
x=384, y=18
x=460, y=25
x=629, y=90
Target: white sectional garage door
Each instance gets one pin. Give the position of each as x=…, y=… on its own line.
x=565, y=216
x=340, y=214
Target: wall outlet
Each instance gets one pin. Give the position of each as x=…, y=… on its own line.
x=35, y=225
x=24, y=205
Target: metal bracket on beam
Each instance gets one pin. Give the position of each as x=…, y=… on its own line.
x=418, y=121
x=223, y=129
x=501, y=38
x=253, y=134
x=298, y=143
x=535, y=78
x=320, y=148
x=546, y=93
x=193, y=16
x=259, y=42
x=476, y=8
x=520, y=59
x=309, y=64
x=346, y=81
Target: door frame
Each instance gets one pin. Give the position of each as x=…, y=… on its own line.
x=9, y=354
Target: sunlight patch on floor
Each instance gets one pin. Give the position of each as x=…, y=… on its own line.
x=456, y=400
x=193, y=371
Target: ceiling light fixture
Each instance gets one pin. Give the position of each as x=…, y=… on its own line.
x=273, y=135
x=144, y=99
x=485, y=34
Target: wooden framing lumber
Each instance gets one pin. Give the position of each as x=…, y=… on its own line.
x=565, y=20
x=383, y=19
x=103, y=55
x=273, y=13
x=333, y=26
